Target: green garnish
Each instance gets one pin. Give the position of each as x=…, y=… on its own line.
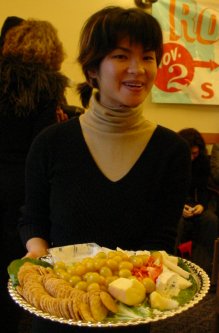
x=15, y=265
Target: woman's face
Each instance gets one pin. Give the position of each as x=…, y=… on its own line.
x=194, y=152
x=126, y=75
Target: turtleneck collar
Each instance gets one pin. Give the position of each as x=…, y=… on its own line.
x=118, y=120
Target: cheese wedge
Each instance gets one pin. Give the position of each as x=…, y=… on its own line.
x=128, y=291
x=183, y=283
x=161, y=302
x=167, y=284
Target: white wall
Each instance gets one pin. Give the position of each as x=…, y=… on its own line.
x=68, y=17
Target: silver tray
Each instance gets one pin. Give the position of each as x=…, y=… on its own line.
x=200, y=276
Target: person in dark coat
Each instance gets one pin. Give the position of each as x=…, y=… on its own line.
x=31, y=89
x=198, y=224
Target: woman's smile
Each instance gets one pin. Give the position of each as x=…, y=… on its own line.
x=133, y=85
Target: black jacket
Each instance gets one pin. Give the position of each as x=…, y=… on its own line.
x=198, y=193
x=29, y=95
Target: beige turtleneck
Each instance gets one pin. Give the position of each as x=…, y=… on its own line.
x=116, y=138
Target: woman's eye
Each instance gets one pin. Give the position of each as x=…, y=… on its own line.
x=119, y=56
x=148, y=57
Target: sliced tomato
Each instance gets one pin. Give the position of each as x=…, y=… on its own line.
x=154, y=272
x=150, y=269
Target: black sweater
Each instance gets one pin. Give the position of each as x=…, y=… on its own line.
x=69, y=200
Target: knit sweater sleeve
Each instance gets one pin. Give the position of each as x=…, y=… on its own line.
x=173, y=187
x=36, y=217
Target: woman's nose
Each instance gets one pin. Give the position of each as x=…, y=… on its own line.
x=136, y=67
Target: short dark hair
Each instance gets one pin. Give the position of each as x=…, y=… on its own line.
x=102, y=32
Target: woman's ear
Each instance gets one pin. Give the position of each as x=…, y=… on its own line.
x=92, y=74
x=92, y=78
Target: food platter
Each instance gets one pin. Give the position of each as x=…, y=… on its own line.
x=145, y=317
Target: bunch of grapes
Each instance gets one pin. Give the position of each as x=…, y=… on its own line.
x=95, y=273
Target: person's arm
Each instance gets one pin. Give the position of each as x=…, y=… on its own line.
x=173, y=196
x=172, y=190
x=201, y=173
x=215, y=163
x=35, y=222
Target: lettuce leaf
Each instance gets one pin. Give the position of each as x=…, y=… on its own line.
x=15, y=265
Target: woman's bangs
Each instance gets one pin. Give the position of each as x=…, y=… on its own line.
x=138, y=32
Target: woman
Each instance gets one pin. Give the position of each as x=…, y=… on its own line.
x=198, y=223
x=31, y=88
x=110, y=172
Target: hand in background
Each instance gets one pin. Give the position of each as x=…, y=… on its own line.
x=187, y=211
x=61, y=115
x=198, y=209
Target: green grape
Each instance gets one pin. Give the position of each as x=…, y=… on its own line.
x=59, y=265
x=82, y=285
x=62, y=274
x=92, y=277
x=125, y=273
x=93, y=286
x=117, y=258
x=101, y=255
x=112, y=264
x=122, y=254
x=71, y=269
x=137, y=261
x=90, y=265
x=74, y=279
x=79, y=269
x=126, y=265
x=149, y=284
x=99, y=262
x=105, y=271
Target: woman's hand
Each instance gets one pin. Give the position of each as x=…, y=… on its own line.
x=187, y=211
x=36, y=247
x=198, y=209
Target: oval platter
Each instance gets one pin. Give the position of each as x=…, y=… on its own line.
x=200, y=276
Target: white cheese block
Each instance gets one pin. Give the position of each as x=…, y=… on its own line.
x=128, y=291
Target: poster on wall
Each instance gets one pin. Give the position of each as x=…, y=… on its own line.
x=189, y=71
